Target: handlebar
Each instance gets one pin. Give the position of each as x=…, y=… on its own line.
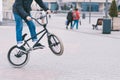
x=41, y=17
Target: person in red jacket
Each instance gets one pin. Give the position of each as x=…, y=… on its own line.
x=76, y=17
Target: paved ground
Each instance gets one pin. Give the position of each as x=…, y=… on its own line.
x=88, y=54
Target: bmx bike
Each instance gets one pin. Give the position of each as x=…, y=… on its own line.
x=19, y=58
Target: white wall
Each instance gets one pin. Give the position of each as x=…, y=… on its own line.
x=1, y=16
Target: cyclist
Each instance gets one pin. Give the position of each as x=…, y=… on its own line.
x=21, y=11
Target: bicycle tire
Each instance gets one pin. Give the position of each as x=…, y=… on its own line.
x=15, y=58
x=55, y=44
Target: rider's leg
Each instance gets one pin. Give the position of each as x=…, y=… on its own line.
x=19, y=28
x=32, y=29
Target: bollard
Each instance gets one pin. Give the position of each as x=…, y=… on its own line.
x=83, y=15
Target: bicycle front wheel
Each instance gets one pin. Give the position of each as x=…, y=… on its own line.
x=17, y=57
x=55, y=44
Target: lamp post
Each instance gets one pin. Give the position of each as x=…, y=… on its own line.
x=90, y=11
x=106, y=9
x=1, y=16
x=83, y=14
x=76, y=3
x=59, y=4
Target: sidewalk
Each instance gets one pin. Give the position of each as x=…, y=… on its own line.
x=86, y=27
x=88, y=54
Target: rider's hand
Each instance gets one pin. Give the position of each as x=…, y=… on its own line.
x=28, y=18
x=48, y=11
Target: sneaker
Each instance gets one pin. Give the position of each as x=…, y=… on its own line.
x=22, y=48
x=38, y=45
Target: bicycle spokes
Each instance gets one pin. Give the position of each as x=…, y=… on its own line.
x=17, y=57
x=55, y=44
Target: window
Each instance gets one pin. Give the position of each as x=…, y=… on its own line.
x=54, y=6
x=119, y=8
x=46, y=4
x=86, y=6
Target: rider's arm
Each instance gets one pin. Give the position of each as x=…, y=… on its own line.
x=20, y=9
x=41, y=4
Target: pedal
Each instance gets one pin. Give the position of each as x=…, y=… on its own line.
x=37, y=48
x=24, y=51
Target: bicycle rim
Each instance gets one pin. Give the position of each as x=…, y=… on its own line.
x=17, y=58
x=55, y=44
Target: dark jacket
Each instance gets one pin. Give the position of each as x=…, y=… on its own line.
x=23, y=7
x=69, y=16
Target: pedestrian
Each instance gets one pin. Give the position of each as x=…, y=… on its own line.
x=69, y=19
x=21, y=11
x=76, y=17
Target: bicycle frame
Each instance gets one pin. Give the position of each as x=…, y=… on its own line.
x=44, y=31
x=15, y=54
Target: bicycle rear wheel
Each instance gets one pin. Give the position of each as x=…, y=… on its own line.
x=17, y=57
x=55, y=44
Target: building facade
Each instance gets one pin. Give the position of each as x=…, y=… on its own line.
x=83, y=5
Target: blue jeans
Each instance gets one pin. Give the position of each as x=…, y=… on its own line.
x=19, y=28
x=75, y=23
